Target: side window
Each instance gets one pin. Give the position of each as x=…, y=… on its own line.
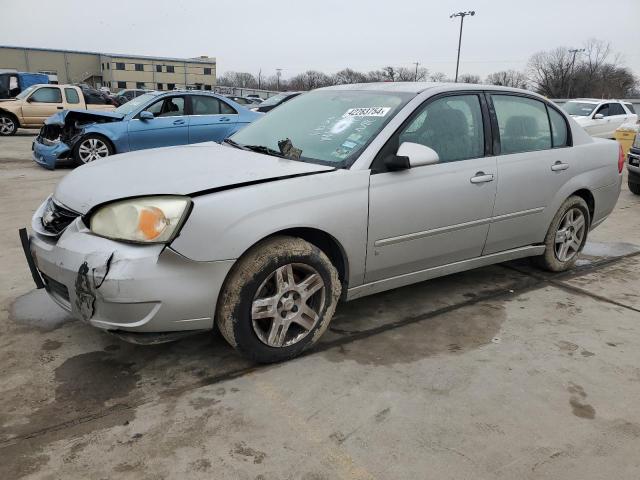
x=452, y=126
x=167, y=107
x=560, y=136
x=604, y=110
x=630, y=108
x=616, y=109
x=523, y=124
x=205, y=105
x=227, y=109
x=72, y=95
x=46, y=95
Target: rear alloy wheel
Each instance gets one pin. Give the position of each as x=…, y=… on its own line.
x=566, y=236
x=8, y=125
x=278, y=299
x=90, y=148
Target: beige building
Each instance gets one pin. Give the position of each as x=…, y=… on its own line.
x=112, y=70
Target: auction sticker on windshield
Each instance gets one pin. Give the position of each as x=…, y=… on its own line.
x=367, y=112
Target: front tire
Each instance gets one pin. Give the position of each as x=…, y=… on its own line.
x=278, y=300
x=566, y=236
x=91, y=147
x=634, y=187
x=8, y=125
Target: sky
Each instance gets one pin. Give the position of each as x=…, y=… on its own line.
x=327, y=35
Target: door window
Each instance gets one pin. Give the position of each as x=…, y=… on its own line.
x=167, y=107
x=72, y=95
x=452, y=126
x=205, y=105
x=523, y=124
x=46, y=95
x=559, y=129
x=616, y=109
x=603, y=110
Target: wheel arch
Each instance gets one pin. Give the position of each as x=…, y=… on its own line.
x=588, y=197
x=97, y=134
x=10, y=114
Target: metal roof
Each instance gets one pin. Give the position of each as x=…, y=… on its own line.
x=115, y=55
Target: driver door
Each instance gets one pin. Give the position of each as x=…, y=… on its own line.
x=41, y=104
x=170, y=125
x=433, y=215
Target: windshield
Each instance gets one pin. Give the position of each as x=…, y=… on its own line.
x=134, y=104
x=274, y=100
x=25, y=93
x=579, y=108
x=329, y=127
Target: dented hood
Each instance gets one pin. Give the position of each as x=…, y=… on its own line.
x=183, y=170
x=83, y=116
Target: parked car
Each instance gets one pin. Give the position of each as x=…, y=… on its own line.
x=340, y=193
x=123, y=96
x=272, y=102
x=600, y=118
x=33, y=106
x=152, y=120
x=12, y=83
x=245, y=102
x=633, y=166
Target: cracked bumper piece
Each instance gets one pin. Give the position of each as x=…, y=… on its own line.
x=126, y=287
x=48, y=155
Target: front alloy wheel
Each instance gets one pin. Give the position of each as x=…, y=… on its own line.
x=278, y=299
x=570, y=234
x=8, y=126
x=92, y=148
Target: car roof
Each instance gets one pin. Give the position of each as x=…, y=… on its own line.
x=419, y=87
x=595, y=100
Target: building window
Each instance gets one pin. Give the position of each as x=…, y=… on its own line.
x=171, y=86
x=119, y=66
x=159, y=68
x=207, y=71
x=108, y=65
x=122, y=84
x=139, y=67
x=139, y=84
x=159, y=86
x=171, y=69
x=207, y=87
x=102, y=66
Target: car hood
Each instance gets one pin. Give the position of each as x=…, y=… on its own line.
x=84, y=116
x=184, y=170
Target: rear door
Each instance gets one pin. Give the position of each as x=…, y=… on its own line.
x=617, y=116
x=533, y=164
x=170, y=125
x=437, y=214
x=41, y=104
x=211, y=119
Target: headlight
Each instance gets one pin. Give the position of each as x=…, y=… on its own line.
x=145, y=220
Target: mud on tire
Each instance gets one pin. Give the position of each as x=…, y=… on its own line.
x=238, y=313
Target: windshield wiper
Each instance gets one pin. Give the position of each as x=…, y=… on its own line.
x=228, y=141
x=265, y=150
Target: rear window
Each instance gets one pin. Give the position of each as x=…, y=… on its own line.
x=559, y=134
x=523, y=124
x=72, y=95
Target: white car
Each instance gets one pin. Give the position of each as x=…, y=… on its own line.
x=600, y=118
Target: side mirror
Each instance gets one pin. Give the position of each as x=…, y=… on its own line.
x=598, y=116
x=30, y=99
x=145, y=115
x=411, y=155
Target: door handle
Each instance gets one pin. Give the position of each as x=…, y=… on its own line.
x=558, y=166
x=481, y=177
x=178, y=122
x=59, y=108
x=224, y=119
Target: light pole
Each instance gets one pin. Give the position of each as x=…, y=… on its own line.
x=461, y=15
x=575, y=51
x=278, y=73
x=416, y=77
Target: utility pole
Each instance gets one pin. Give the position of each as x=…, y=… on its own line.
x=416, y=77
x=278, y=73
x=575, y=51
x=461, y=15
x=259, y=79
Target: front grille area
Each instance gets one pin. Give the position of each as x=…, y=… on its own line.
x=55, y=218
x=56, y=287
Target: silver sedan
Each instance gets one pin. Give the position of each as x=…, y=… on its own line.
x=340, y=193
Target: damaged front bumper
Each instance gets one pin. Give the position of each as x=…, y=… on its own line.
x=126, y=287
x=48, y=155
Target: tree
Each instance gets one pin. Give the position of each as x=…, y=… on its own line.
x=404, y=74
x=238, y=79
x=508, y=78
x=309, y=80
x=347, y=76
x=439, y=77
x=468, y=78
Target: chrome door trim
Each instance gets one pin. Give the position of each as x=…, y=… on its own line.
x=429, y=273
x=452, y=228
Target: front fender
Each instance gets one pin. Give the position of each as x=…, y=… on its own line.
x=115, y=132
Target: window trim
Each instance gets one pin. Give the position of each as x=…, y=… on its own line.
x=189, y=109
x=51, y=88
x=185, y=98
x=494, y=120
x=377, y=164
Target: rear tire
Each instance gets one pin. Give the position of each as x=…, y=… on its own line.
x=8, y=125
x=634, y=187
x=278, y=299
x=566, y=236
x=91, y=147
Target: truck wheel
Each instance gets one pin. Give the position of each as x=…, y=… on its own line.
x=566, y=236
x=90, y=148
x=634, y=187
x=278, y=299
x=8, y=125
